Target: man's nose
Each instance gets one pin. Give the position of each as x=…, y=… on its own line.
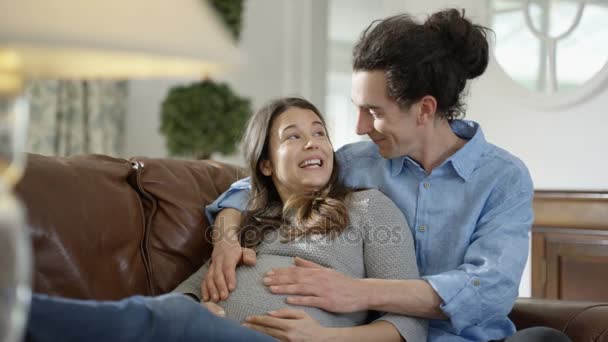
x=365, y=123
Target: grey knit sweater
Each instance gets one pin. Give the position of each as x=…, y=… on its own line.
x=377, y=244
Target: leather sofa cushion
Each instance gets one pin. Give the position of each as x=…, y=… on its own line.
x=86, y=226
x=175, y=193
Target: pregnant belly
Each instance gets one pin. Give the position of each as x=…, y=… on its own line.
x=252, y=297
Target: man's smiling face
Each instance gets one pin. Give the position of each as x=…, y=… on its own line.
x=391, y=128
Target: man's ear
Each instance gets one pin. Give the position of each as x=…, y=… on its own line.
x=427, y=109
x=266, y=167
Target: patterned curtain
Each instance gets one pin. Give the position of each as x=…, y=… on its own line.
x=77, y=117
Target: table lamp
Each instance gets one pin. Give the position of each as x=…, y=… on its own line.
x=84, y=39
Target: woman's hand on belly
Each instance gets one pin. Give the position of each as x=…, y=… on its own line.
x=289, y=325
x=220, y=279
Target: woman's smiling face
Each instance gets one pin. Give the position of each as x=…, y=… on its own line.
x=301, y=155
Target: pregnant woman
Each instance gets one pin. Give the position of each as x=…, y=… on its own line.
x=297, y=209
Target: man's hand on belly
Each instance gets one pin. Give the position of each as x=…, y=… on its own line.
x=310, y=284
x=289, y=325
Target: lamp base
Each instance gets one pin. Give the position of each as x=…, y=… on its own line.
x=15, y=268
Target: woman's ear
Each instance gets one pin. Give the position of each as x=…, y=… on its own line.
x=266, y=167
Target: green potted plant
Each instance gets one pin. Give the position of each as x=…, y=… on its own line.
x=202, y=118
x=206, y=116
x=231, y=12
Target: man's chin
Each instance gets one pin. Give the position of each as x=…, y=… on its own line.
x=384, y=148
x=386, y=153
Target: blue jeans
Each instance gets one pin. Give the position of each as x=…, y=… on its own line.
x=172, y=317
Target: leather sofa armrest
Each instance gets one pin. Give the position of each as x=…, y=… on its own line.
x=581, y=321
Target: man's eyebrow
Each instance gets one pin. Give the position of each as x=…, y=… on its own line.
x=365, y=105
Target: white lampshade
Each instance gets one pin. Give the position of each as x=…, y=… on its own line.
x=111, y=39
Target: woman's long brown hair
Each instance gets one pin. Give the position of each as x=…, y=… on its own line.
x=321, y=212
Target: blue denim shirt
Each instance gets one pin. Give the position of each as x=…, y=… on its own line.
x=470, y=219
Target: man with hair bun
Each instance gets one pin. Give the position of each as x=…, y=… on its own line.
x=467, y=202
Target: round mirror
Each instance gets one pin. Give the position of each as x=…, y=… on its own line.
x=552, y=47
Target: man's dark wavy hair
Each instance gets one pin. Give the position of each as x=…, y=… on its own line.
x=434, y=58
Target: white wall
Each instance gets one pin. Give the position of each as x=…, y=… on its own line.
x=563, y=148
x=282, y=55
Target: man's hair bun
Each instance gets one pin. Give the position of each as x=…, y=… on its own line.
x=462, y=40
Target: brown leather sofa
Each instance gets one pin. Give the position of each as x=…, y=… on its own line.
x=108, y=228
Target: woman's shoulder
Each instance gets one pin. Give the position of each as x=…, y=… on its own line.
x=368, y=194
x=355, y=152
x=373, y=204
x=369, y=198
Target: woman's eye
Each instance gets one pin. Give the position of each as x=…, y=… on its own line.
x=293, y=137
x=319, y=134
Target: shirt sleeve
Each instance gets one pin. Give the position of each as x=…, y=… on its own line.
x=486, y=284
x=235, y=197
x=389, y=254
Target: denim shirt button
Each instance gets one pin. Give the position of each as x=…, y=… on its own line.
x=427, y=185
x=476, y=282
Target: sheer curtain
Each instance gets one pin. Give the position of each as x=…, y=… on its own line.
x=77, y=117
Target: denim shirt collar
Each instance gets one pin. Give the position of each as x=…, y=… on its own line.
x=397, y=165
x=465, y=160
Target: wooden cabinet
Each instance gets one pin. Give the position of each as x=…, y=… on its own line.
x=570, y=245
